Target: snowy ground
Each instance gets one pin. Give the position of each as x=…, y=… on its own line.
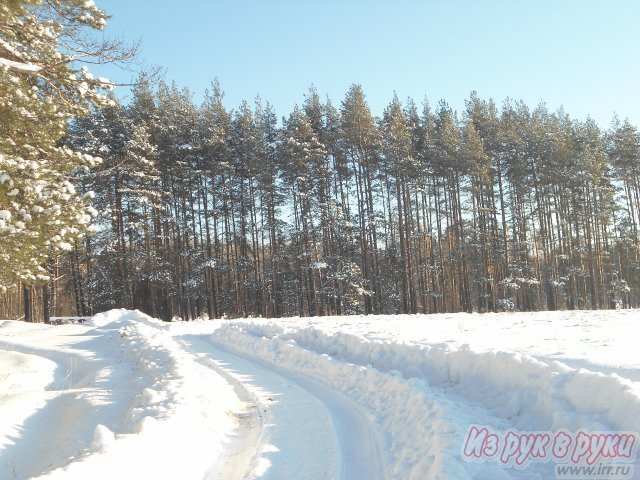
x=126, y=396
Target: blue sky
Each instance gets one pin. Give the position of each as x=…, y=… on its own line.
x=584, y=55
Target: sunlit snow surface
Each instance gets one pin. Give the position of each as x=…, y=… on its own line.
x=126, y=396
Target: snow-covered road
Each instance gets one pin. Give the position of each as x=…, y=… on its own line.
x=321, y=433
x=127, y=396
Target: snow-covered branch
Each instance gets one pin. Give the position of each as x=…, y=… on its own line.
x=19, y=66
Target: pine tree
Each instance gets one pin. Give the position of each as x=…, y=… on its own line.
x=206, y=211
x=41, y=213
x=398, y=163
x=302, y=160
x=623, y=148
x=361, y=142
x=42, y=87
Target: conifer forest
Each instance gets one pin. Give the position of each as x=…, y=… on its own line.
x=205, y=211
x=187, y=209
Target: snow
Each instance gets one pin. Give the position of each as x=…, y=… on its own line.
x=363, y=397
x=19, y=66
x=104, y=400
x=427, y=378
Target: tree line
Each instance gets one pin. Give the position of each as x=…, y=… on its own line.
x=206, y=211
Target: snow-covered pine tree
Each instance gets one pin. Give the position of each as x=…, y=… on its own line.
x=397, y=149
x=361, y=141
x=303, y=156
x=41, y=88
x=272, y=196
x=623, y=148
x=119, y=259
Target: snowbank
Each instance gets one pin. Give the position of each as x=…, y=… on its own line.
x=147, y=403
x=127, y=396
x=425, y=394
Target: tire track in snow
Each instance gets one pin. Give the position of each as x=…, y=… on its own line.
x=311, y=431
x=424, y=423
x=235, y=462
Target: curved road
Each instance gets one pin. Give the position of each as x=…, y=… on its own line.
x=293, y=427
